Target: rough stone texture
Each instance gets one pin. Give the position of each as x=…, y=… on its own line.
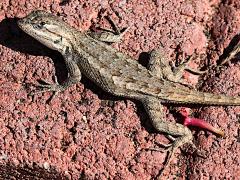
x=89, y=134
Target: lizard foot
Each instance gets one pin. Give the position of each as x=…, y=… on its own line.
x=171, y=149
x=47, y=87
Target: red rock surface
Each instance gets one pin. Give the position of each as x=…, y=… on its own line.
x=87, y=133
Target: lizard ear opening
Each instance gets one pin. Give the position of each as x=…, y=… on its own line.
x=58, y=40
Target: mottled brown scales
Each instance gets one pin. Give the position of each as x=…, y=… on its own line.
x=118, y=74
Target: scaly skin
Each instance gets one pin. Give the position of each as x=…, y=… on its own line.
x=118, y=74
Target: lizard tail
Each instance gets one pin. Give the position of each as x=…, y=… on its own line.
x=195, y=97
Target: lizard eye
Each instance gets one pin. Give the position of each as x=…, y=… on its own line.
x=39, y=25
x=42, y=23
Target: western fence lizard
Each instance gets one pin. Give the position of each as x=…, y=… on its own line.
x=119, y=74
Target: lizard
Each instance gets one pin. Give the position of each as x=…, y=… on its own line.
x=117, y=73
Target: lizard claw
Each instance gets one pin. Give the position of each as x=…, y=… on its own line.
x=46, y=88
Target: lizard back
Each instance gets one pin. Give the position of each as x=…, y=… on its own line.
x=121, y=75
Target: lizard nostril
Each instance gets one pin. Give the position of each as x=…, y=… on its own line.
x=20, y=22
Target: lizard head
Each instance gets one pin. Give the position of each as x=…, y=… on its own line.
x=48, y=29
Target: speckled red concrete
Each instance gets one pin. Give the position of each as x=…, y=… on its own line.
x=86, y=133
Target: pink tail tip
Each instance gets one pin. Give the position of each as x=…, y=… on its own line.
x=203, y=124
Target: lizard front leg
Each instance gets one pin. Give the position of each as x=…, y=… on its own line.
x=183, y=135
x=107, y=35
x=74, y=74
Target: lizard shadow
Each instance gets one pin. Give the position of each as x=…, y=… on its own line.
x=13, y=37
x=235, y=40
x=9, y=171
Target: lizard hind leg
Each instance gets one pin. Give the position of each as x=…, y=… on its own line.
x=183, y=135
x=160, y=66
